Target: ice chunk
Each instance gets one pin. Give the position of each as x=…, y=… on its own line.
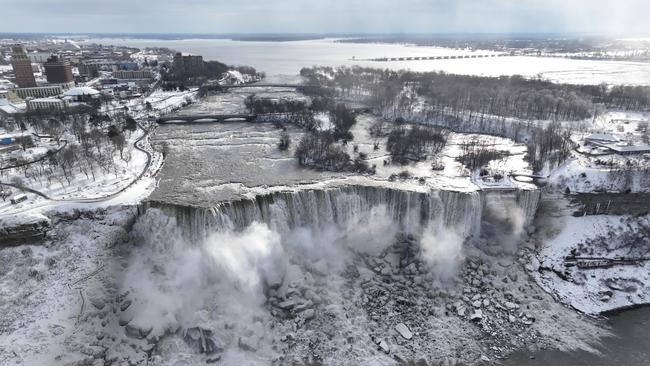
x=404, y=331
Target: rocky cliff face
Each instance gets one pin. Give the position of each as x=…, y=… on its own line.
x=23, y=229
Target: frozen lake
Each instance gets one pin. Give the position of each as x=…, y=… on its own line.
x=287, y=58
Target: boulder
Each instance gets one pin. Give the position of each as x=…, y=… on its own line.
x=404, y=331
x=511, y=305
x=125, y=305
x=384, y=346
x=309, y=314
x=98, y=303
x=476, y=316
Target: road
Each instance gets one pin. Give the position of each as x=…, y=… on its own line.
x=97, y=199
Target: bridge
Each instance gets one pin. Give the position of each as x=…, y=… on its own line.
x=295, y=86
x=218, y=87
x=538, y=180
x=206, y=118
x=423, y=58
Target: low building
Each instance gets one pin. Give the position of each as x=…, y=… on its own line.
x=6, y=85
x=47, y=104
x=81, y=94
x=597, y=138
x=40, y=91
x=133, y=74
x=627, y=149
x=8, y=110
x=88, y=70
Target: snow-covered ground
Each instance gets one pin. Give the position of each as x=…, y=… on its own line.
x=81, y=186
x=593, y=291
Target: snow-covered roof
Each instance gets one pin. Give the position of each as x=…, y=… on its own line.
x=630, y=148
x=9, y=108
x=79, y=91
x=602, y=137
x=46, y=100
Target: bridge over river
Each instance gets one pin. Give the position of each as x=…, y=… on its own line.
x=206, y=118
x=423, y=58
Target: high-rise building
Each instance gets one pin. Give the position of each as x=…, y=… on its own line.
x=88, y=70
x=188, y=65
x=58, y=71
x=22, y=67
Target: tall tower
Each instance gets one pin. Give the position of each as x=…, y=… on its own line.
x=58, y=71
x=22, y=67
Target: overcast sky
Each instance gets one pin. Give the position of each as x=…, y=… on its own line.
x=624, y=17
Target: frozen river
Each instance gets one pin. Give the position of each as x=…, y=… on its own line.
x=287, y=58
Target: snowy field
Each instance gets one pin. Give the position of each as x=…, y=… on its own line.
x=593, y=291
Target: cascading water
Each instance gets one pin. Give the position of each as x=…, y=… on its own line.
x=411, y=210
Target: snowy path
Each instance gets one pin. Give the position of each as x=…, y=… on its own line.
x=141, y=144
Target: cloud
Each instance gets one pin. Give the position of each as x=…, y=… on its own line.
x=331, y=16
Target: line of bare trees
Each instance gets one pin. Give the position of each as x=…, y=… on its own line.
x=96, y=140
x=415, y=143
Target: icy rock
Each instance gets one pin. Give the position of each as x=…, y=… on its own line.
x=485, y=358
x=486, y=302
x=606, y=296
x=136, y=332
x=384, y=346
x=125, y=305
x=304, y=306
x=309, y=314
x=97, y=303
x=247, y=344
x=200, y=339
x=311, y=295
x=477, y=304
x=461, y=311
x=511, y=305
x=287, y=304
x=511, y=319
x=125, y=319
x=477, y=315
x=404, y=331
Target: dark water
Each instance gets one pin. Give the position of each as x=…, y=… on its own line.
x=629, y=347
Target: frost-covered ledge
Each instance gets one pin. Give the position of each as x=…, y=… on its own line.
x=597, y=290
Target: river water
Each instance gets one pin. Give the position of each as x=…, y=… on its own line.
x=629, y=346
x=287, y=58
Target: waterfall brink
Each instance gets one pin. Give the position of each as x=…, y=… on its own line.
x=319, y=208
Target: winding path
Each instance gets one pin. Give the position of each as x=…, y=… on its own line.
x=97, y=199
x=43, y=157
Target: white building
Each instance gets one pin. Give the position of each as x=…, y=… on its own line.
x=46, y=104
x=81, y=94
x=597, y=138
x=40, y=91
